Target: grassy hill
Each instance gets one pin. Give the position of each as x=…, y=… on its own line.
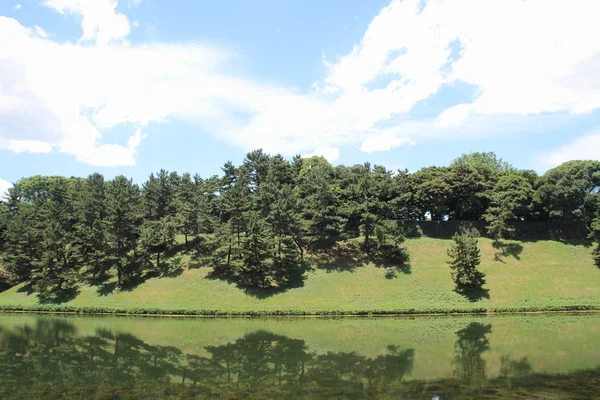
x=535, y=275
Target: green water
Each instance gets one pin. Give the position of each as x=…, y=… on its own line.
x=73, y=357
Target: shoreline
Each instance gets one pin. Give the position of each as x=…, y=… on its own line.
x=297, y=314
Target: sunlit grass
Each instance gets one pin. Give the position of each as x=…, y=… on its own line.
x=542, y=274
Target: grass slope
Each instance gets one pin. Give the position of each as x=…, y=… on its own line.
x=540, y=275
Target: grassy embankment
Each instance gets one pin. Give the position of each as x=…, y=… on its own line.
x=524, y=276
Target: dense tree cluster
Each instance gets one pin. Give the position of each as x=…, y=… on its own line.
x=256, y=222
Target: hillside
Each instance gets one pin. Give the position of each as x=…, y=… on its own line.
x=531, y=275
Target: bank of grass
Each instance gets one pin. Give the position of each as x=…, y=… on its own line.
x=521, y=276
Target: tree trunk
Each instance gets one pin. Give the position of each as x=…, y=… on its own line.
x=119, y=274
x=186, y=239
x=158, y=259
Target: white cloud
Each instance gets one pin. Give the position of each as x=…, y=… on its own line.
x=329, y=153
x=583, y=148
x=36, y=30
x=4, y=186
x=63, y=95
x=520, y=71
x=99, y=20
x=29, y=146
x=454, y=116
x=17, y=6
x=384, y=141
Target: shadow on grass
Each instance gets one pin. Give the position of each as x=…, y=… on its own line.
x=292, y=280
x=107, y=284
x=348, y=258
x=504, y=250
x=63, y=296
x=391, y=272
x=475, y=295
x=56, y=298
x=342, y=257
x=27, y=288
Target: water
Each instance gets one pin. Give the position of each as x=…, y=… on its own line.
x=73, y=357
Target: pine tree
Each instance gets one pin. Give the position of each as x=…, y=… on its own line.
x=186, y=201
x=465, y=257
x=157, y=232
x=22, y=252
x=287, y=234
x=255, y=253
x=58, y=271
x=90, y=209
x=595, y=234
x=122, y=227
x=156, y=237
x=320, y=200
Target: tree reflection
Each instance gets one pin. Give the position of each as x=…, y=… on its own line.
x=468, y=362
x=51, y=361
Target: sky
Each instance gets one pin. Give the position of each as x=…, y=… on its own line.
x=132, y=86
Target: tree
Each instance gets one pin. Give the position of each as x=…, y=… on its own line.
x=58, y=272
x=287, y=234
x=568, y=191
x=465, y=257
x=22, y=236
x=595, y=235
x=90, y=210
x=434, y=192
x=320, y=199
x=187, y=204
x=255, y=252
x=473, y=177
x=157, y=232
x=156, y=237
x=511, y=200
x=404, y=202
x=122, y=227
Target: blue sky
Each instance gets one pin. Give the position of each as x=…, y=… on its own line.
x=132, y=86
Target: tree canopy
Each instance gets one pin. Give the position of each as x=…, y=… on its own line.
x=255, y=222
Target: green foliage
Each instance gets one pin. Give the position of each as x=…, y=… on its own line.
x=465, y=257
x=122, y=227
x=259, y=223
x=595, y=232
x=156, y=237
x=321, y=202
x=568, y=191
x=511, y=200
x=255, y=252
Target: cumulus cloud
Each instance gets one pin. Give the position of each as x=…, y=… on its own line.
x=4, y=186
x=384, y=141
x=99, y=20
x=329, y=153
x=583, y=148
x=63, y=95
x=454, y=116
x=36, y=30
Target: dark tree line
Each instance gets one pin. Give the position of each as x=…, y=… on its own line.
x=256, y=222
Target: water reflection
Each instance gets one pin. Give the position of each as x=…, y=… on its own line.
x=471, y=343
x=49, y=360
